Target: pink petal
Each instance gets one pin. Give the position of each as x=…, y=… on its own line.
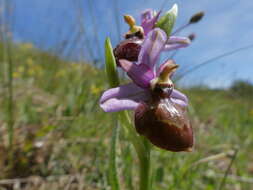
x=148, y=20
x=140, y=74
x=176, y=42
x=125, y=97
x=152, y=47
x=179, y=98
x=178, y=39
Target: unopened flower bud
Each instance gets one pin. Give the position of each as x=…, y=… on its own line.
x=196, y=17
x=192, y=37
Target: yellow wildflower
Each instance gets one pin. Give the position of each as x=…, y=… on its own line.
x=16, y=75
x=95, y=90
x=251, y=112
x=20, y=69
x=29, y=61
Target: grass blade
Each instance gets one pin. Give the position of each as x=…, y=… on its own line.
x=113, y=174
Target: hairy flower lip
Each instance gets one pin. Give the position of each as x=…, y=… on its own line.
x=165, y=125
x=128, y=49
x=131, y=48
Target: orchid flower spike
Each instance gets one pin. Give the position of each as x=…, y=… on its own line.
x=160, y=110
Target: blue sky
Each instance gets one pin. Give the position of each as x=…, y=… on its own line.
x=227, y=25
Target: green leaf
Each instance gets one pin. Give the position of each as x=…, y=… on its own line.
x=167, y=21
x=110, y=64
x=113, y=79
x=113, y=173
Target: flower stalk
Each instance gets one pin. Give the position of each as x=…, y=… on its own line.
x=145, y=166
x=141, y=145
x=113, y=175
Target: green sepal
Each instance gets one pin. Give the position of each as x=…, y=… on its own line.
x=167, y=21
x=110, y=65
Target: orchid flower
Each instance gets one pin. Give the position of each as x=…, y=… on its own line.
x=152, y=90
x=142, y=73
x=129, y=49
x=160, y=111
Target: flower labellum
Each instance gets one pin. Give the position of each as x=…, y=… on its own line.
x=162, y=121
x=128, y=49
x=165, y=124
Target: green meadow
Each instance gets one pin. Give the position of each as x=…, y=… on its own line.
x=61, y=137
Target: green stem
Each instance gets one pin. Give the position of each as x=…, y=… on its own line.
x=133, y=137
x=113, y=175
x=142, y=148
x=145, y=167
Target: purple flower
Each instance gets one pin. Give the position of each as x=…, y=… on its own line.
x=129, y=49
x=160, y=110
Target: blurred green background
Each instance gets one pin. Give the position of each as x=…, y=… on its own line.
x=53, y=135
